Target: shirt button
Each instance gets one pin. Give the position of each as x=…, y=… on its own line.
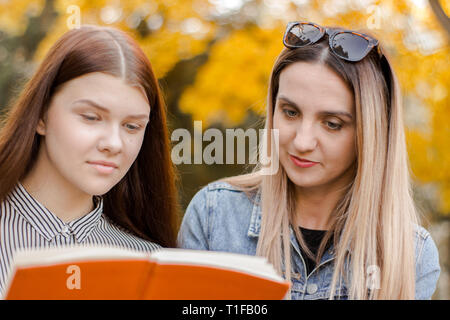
x=311, y=288
x=65, y=230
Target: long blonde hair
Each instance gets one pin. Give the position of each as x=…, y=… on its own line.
x=373, y=223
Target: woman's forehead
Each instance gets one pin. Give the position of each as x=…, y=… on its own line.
x=105, y=90
x=314, y=85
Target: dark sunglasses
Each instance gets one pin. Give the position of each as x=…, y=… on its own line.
x=346, y=44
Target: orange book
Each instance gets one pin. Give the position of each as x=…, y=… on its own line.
x=168, y=274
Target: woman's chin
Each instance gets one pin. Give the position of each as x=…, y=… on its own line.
x=97, y=189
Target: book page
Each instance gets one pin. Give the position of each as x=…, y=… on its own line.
x=47, y=256
x=255, y=265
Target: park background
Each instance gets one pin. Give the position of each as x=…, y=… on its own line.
x=213, y=60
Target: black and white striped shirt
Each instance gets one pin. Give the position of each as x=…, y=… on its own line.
x=25, y=223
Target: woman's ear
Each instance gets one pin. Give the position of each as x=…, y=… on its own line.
x=40, y=129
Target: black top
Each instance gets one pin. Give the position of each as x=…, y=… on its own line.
x=312, y=239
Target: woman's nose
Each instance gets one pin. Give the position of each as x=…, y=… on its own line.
x=305, y=138
x=111, y=140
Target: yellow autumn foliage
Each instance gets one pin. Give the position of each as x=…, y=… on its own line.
x=14, y=14
x=165, y=47
x=235, y=78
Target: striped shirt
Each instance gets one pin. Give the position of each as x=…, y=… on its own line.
x=25, y=223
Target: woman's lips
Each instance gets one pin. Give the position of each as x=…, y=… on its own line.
x=103, y=166
x=302, y=163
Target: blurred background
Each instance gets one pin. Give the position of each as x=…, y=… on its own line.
x=213, y=59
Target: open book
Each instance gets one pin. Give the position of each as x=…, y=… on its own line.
x=97, y=272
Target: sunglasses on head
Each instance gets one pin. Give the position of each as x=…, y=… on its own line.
x=346, y=44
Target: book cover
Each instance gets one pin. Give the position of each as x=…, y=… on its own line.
x=167, y=274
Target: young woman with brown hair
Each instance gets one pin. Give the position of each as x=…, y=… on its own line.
x=84, y=152
x=338, y=218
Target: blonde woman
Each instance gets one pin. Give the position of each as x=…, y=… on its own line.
x=338, y=214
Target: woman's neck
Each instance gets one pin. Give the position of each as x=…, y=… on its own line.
x=57, y=194
x=313, y=209
x=314, y=206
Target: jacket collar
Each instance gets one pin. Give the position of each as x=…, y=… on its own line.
x=255, y=228
x=255, y=220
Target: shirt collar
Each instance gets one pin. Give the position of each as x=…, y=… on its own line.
x=47, y=223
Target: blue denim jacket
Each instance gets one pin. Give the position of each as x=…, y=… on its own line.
x=222, y=218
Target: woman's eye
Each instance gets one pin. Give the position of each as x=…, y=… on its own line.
x=132, y=127
x=290, y=113
x=90, y=117
x=333, y=125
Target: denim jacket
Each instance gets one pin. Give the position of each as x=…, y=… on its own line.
x=222, y=218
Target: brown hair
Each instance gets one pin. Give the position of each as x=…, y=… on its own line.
x=144, y=201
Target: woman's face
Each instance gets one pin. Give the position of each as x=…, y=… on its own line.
x=314, y=113
x=93, y=131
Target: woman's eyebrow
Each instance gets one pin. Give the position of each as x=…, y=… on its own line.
x=97, y=106
x=321, y=113
x=91, y=103
x=336, y=113
x=292, y=103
